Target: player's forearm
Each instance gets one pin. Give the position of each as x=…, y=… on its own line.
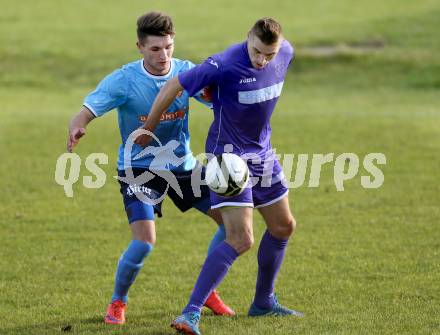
x=77, y=127
x=163, y=100
x=81, y=120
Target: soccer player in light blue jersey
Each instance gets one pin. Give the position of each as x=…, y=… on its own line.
x=246, y=81
x=132, y=90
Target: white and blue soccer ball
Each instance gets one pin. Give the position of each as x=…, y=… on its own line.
x=227, y=174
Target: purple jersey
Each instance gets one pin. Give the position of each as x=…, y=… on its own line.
x=243, y=97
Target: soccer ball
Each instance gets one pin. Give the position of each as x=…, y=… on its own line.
x=227, y=174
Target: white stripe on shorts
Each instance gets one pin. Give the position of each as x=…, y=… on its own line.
x=273, y=201
x=236, y=204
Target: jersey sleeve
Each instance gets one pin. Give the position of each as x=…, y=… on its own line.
x=203, y=96
x=110, y=93
x=290, y=51
x=206, y=74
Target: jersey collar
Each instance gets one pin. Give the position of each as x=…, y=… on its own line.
x=148, y=74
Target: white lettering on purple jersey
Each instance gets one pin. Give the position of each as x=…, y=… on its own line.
x=261, y=95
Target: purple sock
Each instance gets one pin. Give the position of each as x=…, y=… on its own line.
x=270, y=256
x=215, y=268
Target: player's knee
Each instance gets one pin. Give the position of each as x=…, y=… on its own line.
x=242, y=243
x=285, y=228
x=146, y=239
x=291, y=225
x=151, y=240
x=246, y=243
x=144, y=231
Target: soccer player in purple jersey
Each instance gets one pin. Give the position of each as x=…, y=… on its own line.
x=246, y=80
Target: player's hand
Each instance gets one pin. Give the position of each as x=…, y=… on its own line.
x=74, y=137
x=142, y=137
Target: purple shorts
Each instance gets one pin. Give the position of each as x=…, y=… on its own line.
x=261, y=190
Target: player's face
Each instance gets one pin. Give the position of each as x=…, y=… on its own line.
x=157, y=52
x=261, y=54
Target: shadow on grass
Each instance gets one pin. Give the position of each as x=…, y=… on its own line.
x=93, y=324
x=147, y=323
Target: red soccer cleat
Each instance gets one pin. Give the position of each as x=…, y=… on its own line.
x=216, y=304
x=115, y=314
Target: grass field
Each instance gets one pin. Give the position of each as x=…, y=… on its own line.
x=366, y=79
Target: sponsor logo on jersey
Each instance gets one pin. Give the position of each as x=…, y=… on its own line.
x=161, y=83
x=213, y=62
x=133, y=189
x=179, y=114
x=247, y=80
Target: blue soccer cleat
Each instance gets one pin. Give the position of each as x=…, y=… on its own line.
x=187, y=323
x=276, y=310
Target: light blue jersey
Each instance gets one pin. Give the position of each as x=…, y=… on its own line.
x=132, y=90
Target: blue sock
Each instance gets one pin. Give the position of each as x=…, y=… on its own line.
x=218, y=238
x=214, y=270
x=270, y=257
x=129, y=264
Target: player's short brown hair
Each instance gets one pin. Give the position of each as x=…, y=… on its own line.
x=154, y=23
x=267, y=30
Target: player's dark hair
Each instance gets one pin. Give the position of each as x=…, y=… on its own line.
x=154, y=23
x=267, y=30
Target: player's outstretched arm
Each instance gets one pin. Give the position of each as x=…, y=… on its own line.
x=77, y=127
x=163, y=100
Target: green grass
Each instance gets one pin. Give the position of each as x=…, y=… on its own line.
x=362, y=261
